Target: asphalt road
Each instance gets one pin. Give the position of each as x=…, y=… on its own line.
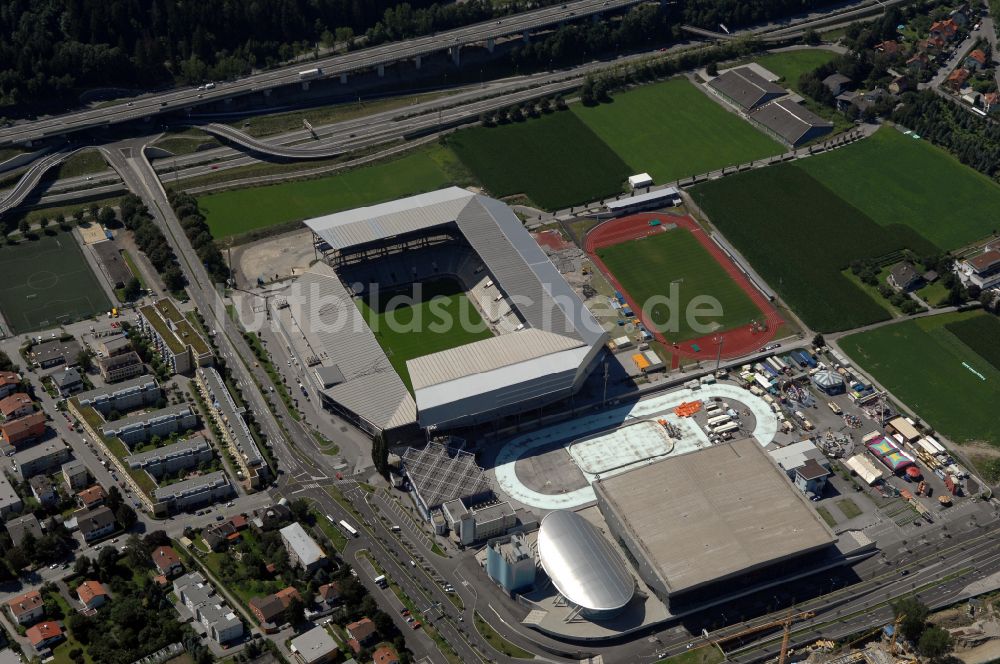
x=179, y=99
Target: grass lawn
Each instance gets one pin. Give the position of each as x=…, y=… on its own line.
x=849, y=508
x=873, y=291
x=55, y=210
x=46, y=282
x=233, y=212
x=82, y=163
x=60, y=655
x=923, y=363
x=498, y=642
x=895, y=179
x=672, y=130
x=790, y=65
x=651, y=268
x=981, y=334
x=555, y=160
x=933, y=294
x=443, y=319
x=827, y=517
x=702, y=655
x=248, y=588
x=799, y=236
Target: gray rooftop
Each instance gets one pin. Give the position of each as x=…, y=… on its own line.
x=746, y=88
x=23, y=525
x=177, y=410
x=40, y=451
x=584, y=566
x=789, y=120
x=49, y=350
x=184, y=447
x=111, y=258
x=314, y=644
x=713, y=514
x=223, y=402
x=189, y=486
x=64, y=377
x=137, y=383
x=8, y=497
x=306, y=549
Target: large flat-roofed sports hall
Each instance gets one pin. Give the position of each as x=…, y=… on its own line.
x=47, y=282
x=649, y=257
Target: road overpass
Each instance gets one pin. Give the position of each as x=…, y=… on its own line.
x=30, y=180
x=341, y=66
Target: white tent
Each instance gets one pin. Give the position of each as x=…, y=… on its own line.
x=639, y=181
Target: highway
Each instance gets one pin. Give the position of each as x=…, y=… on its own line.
x=151, y=105
x=30, y=180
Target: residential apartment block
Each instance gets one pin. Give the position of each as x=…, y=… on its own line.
x=173, y=336
x=163, y=422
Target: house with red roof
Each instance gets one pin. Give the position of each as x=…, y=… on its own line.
x=889, y=47
x=269, y=608
x=92, y=594
x=385, y=655
x=975, y=60
x=16, y=405
x=44, y=635
x=9, y=382
x=27, y=608
x=946, y=30
x=362, y=631
x=167, y=561
x=91, y=497
x=991, y=101
x=957, y=78
x=24, y=429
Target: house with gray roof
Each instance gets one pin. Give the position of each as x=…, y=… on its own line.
x=790, y=123
x=744, y=88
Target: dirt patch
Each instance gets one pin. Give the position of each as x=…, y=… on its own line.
x=274, y=258
x=552, y=240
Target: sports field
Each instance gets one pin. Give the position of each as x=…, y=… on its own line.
x=47, y=282
x=790, y=65
x=233, y=212
x=896, y=179
x=923, y=363
x=555, y=160
x=673, y=130
x=799, y=235
x=443, y=318
x=675, y=263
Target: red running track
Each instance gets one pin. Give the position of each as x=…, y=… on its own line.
x=737, y=341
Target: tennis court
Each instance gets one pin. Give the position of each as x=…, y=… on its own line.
x=46, y=283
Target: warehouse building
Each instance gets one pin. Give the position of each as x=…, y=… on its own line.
x=717, y=521
x=744, y=88
x=546, y=341
x=790, y=123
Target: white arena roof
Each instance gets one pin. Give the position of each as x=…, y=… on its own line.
x=541, y=361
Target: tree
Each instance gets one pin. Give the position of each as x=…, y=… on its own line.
x=811, y=37
x=81, y=566
x=819, y=341
x=300, y=510
x=94, y=210
x=114, y=498
x=914, y=614
x=107, y=560
x=712, y=69
x=935, y=642
x=133, y=289
x=43, y=222
x=78, y=215
x=380, y=455
x=23, y=226
x=296, y=611
x=587, y=96
x=125, y=516
x=85, y=360
x=107, y=217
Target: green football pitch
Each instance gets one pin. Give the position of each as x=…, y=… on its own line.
x=674, y=265
x=438, y=317
x=46, y=283
x=926, y=365
x=674, y=130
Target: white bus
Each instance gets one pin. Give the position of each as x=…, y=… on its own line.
x=348, y=529
x=718, y=420
x=726, y=428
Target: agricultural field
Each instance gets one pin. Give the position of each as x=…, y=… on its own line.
x=444, y=318
x=238, y=211
x=47, y=282
x=790, y=65
x=981, y=334
x=555, y=160
x=925, y=363
x=799, y=236
x=673, y=130
x=895, y=179
x=649, y=268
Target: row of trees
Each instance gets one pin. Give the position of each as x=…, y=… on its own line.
x=150, y=239
x=196, y=228
x=520, y=112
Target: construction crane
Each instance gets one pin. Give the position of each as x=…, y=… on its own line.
x=895, y=632
x=783, y=622
x=787, y=633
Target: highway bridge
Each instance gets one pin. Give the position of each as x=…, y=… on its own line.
x=341, y=66
x=31, y=178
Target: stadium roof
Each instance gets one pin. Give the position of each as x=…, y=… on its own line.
x=746, y=88
x=582, y=563
x=710, y=515
x=342, y=338
x=440, y=475
x=560, y=330
x=792, y=122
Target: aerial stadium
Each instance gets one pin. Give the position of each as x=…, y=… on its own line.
x=435, y=312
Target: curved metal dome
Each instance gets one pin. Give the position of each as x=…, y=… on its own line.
x=583, y=565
